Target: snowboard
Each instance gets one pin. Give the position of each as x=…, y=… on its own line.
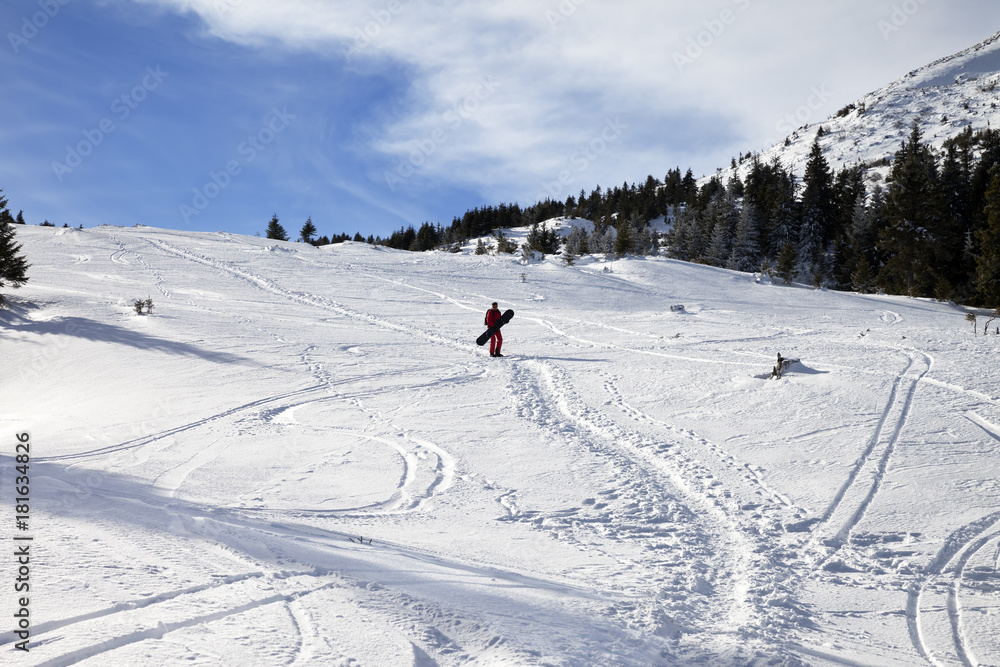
x=504, y=319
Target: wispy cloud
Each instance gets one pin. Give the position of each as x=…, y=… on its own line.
x=410, y=110
x=562, y=67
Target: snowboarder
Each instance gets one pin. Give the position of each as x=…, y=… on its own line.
x=492, y=316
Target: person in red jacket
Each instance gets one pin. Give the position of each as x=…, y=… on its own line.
x=492, y=316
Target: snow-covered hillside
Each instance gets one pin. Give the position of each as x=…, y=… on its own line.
x=301, y=457
x=944, y=98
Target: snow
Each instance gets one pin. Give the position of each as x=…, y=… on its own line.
x=301, y=457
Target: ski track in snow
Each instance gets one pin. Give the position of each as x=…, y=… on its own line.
x=159, y=615
x=642, y=460
x=853, y=499
x=863, y=482
x=959, y=548
x=862, y=485
x=682, y=549
x=163, y=628
x=309, y=299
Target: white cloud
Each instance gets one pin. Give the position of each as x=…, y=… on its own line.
x=506, y=94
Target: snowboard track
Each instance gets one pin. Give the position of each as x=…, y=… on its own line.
x=958, y=550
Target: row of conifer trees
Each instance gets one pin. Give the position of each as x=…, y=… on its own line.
x=930, y=228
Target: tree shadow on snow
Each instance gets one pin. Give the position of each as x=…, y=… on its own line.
x=101, y=332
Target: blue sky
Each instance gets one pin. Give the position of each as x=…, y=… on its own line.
x=367, y=116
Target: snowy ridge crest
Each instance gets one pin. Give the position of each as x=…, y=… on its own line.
x=944, y=98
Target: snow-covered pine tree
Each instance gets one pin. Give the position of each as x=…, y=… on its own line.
x=653, y=244
x=576, y=242
x=569, y=257
x=601, y=239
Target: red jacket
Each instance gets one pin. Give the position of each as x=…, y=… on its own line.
x=492, y=317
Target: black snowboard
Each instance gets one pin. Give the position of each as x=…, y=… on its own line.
x=504, y=319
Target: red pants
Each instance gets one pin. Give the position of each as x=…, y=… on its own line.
x=495, y=342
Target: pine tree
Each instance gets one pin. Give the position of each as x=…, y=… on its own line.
x=569, y=258
x=542, y=239
x=576, y=242
x=810, y=247
x=625, y=239
x=746, y=255
x=504, y=244
x=20, y=218
x=862, y=277
x=918, y=239
x=685, y=240
x=771, y=189
x=308, y=231
x=818, y=212
x=275, y=230
x=721, y=217
x=988, y=263
x=785, y=266
x=13, y=265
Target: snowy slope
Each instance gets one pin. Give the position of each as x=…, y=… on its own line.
x=625, y=488
x=943, y=98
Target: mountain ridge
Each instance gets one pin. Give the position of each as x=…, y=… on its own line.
x=870, y=130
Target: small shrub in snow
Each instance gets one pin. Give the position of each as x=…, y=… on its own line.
x=143, y=306
x=971, y=317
